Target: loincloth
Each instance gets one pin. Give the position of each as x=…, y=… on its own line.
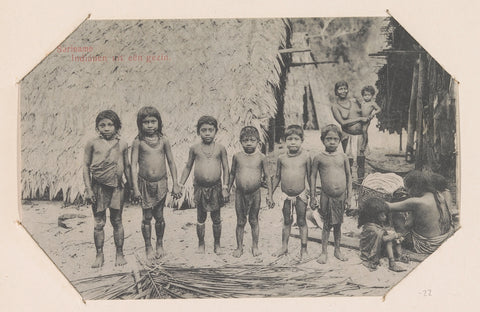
x=303, y=196
x=371, y=243
x=106, y=196
x=247, y=203
x=208, y=198
x=332, y=208
x=426, y=245
x=152, y=192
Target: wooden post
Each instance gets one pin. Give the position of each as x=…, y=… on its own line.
x=412, y=112
x=400, y=146
x=419, y=157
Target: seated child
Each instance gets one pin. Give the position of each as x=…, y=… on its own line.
x=376, y=241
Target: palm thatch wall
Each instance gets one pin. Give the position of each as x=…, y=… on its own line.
x=225, y=68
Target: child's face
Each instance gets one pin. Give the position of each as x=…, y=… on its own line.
x=331, y=141
x=294, y=142
x=207, y=133
x=149, y=125
x=106, y=127
x=249, y=144
x=382, y=217
x=367, y=96
x=342, y=92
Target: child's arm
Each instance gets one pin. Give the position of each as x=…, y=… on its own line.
x=349, y=181
x=172, y=166
x=87, y=161
x=376, y=110
x=346, y=122
x=276, y=178
x=134, y=165
x=270, y=203
x=188, y=166
x=308, y=168
x=126, y=165
x=226, y=195
x=313, y=183
x=408, y=204
x=232, y=173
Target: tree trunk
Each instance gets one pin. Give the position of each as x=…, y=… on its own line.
x=422, y=79
x=412, y=111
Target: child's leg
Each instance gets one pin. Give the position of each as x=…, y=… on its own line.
x=287, y=225
x=253, y=220
x=118, y=234
x=301, y=209
x=147, y=215
x=325, y=236
x=201, y=218
x=399, y=252
x=337, y=236
x=159, y=227
x=99, y=237
x=217, y=230
x=392, y=265
x=241, y=221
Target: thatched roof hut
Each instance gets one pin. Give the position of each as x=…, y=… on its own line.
x=225, y=67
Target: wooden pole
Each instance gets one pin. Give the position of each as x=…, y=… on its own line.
x=419, y=157
x=412, y=111
x=400, y=146
x=294, y=50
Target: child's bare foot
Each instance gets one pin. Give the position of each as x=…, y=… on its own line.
x=237, y=253
x=338, y=254
x=201, y=249
x=217, y=250
x=281, y=252
x=149, y=252
x=395, y=267
x=322, y=259
x=160, y=252
x=98, y=261
x=120, y=259
x=256, y=252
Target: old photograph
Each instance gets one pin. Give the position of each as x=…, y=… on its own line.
x=239, y=157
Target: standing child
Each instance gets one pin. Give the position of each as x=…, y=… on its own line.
x=248, y=167
x=293, y=169
x=150, y=151
x=375, y=241
x=336, y=181
x=210, y=159
x=105, y=162
x=369, y=110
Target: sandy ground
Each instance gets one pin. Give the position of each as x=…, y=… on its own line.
x=72, y=249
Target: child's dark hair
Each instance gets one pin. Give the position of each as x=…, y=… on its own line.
x=368, y=89
x=249, y=131
x=417, y=183
x=339, y=84
x=148, y=111
x=439, y=182
x=209, y=120
x=328, y=128
x=370, y=208
x=294, y=129
x=111, y=115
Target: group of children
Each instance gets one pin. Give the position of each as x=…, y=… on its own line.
x=106, y=164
